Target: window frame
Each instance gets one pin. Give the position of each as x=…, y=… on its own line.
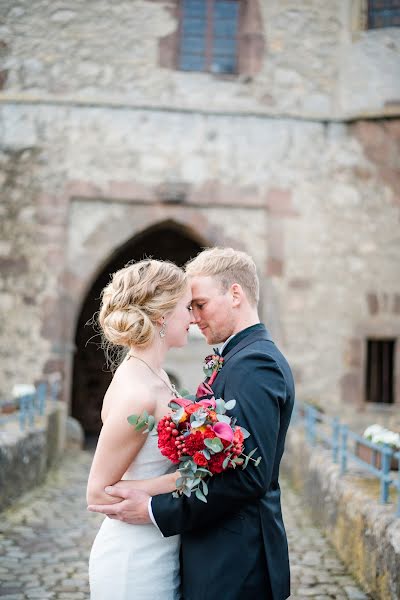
x=370, y=14
x=380, y=366
x=209, y=39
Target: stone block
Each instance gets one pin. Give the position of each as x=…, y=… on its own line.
x=372, y=303
x=280, y=202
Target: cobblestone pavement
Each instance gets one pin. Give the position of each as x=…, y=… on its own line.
x=46, y=538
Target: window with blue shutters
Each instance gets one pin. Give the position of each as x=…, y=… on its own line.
x=209, y=36
x=383, y=13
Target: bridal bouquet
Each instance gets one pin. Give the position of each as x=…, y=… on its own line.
x=201, y=438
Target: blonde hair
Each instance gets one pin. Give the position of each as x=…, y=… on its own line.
x=136, y=298
x=228, y=266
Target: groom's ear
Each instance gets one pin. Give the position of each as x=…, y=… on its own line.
x=237, y=294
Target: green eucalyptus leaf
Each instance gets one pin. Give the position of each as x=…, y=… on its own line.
x=141, y=425
x=133, y=419
x=205, y=487
x=246, y=434
x=226, y=462
x=150, y=423
x=258, y=461
x=217, y=444
x=203, y=470
x=201, y=496
x=210, y=445
x=206, y=454
x=252, y=452
x=220, y=406
x=230, y=404
x=224, y=419
x=145, y=415
x=198, y=423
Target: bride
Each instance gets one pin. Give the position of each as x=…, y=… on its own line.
x=146, y=309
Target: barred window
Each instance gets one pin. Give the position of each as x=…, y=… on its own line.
x=209, y=36
x=380, y=371
x=383, y=13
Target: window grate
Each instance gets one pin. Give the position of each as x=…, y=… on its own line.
x=383, y=13
x=208, y=35
x=380, y=371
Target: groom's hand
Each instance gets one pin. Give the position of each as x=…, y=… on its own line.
x=132, y=509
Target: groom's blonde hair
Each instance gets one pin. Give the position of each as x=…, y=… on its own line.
x=228, y=266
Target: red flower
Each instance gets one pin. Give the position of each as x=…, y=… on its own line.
x=200, y=459
x=215, y=462
x=192, y=408
x=238, y=436
x=194, y=442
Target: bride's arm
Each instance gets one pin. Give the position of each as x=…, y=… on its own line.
x=154, y=486
x=119, y=442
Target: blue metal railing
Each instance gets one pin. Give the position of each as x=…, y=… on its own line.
x=345, y=445
x=32, y=405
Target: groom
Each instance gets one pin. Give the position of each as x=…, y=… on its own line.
x=234, y=546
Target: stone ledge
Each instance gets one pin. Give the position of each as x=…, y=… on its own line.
x=25, y=457
x=365, y=534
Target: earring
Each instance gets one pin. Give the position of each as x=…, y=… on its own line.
x=163, y=329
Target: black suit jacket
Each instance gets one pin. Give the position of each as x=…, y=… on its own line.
x=235, y=545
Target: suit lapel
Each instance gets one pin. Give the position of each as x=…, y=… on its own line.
x=247, y=336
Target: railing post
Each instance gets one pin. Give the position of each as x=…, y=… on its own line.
x=397, y=455
x=343, y=449
x=23, y=410
x=41, y=394
x=55, y=388
x=31, y=409
x=335, y=439
x=386, y=454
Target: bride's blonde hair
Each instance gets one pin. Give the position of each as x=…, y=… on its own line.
x=136, y=298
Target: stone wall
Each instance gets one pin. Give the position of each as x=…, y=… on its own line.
x=25, y=457
x=99, y=143
x=309, y=201
x=317, y=61
x=365, y=534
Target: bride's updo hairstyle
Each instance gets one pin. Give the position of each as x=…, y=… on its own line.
x=136, y=298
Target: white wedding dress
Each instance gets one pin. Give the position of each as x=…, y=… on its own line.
x=134, y=562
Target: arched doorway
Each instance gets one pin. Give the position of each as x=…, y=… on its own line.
x=167, y=241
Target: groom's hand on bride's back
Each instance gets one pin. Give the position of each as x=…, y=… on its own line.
x=132, y=509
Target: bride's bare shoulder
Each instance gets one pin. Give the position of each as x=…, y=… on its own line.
x=129, y=390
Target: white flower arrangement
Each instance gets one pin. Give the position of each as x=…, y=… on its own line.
x=380, y=435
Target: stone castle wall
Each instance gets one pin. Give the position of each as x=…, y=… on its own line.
x=316, y=59
x=99, y=143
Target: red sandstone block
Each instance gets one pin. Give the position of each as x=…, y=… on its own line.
x=84, y=189
x=280, y=202
x=131, y=190
x=274, y=267
x=373, y=304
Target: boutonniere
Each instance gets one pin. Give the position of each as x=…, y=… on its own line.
x=212, y=365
